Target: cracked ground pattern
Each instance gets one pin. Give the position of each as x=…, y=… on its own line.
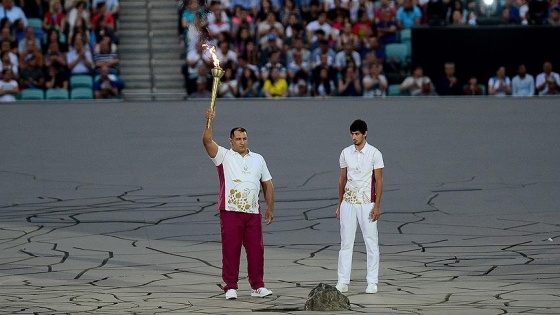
x=110, y=208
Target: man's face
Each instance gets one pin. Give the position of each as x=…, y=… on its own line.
x=224, y=47
x=501, y=71
x=449, y=69
x=53, y=47
x=324, y=46
x=374, y=70
x=555, y=15
x=104, y=48
x=239, y=142
x=358, y=138
x=387, y=16
x=8, y=4
x=275, y=57
x=31, y=63
x=547, y=68
x=521, y=71
x=407, y=4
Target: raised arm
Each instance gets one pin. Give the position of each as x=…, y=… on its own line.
x=209, y=144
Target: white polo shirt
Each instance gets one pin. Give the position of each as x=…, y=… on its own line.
x=541, y=78
x=360, y=167
x=240, y=180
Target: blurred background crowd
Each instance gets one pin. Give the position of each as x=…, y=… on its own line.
x=321, y=48
x=59, y=49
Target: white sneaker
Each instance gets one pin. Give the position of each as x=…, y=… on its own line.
x=261, y=292
x=371, y=288
x=231, y=294
x=342, y=287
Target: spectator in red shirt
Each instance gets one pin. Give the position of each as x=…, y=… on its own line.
x=102, y=11
x=54, y=18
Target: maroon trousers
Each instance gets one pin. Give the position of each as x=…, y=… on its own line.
x=239, y=229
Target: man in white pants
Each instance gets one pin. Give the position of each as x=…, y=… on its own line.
x=360, y=187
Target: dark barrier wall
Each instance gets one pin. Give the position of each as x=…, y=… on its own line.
x=481, y=50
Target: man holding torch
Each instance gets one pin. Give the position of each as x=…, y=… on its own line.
x=242, y=174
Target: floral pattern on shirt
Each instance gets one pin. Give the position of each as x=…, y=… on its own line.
x=357, y=195
x=242, y=196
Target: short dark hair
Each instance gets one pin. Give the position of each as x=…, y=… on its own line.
x=232, y=132
x=358, y=125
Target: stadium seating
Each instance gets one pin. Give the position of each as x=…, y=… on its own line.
x=405, y=35
x=35, y=23
x=397, y=51
x=81, y=93
x=32, y=95
x=81, y=81
x=394, y=90
x=56, y=94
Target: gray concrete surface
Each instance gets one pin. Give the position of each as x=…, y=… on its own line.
x=109, y=208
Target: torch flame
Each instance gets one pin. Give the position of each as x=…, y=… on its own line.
x=212, y=50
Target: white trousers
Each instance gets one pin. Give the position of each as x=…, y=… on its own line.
x=350, y=216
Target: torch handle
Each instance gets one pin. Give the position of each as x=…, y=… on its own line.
x=215, y=85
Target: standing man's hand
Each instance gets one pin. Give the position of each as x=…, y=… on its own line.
x=268, y=216
x=210, y=114
x=338, y=212
x=375, y=213
x=268, y=190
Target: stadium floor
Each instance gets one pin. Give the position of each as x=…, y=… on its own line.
x=109, y=208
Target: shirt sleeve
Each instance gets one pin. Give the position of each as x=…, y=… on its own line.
x=540, y=79
x=382, y=79
x=378, y=160
x=417, y=12
x=265, y=173
x=398, y=15
x=342, y=160
x=219, y=158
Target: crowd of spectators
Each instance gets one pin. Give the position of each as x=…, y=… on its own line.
x=47, y=43
x=522, y=84
x=321, y=48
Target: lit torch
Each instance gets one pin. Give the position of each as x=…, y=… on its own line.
x=217, y=73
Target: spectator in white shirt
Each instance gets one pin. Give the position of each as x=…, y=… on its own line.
x=523, y=84
x=545, y=77
x=8, y=86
